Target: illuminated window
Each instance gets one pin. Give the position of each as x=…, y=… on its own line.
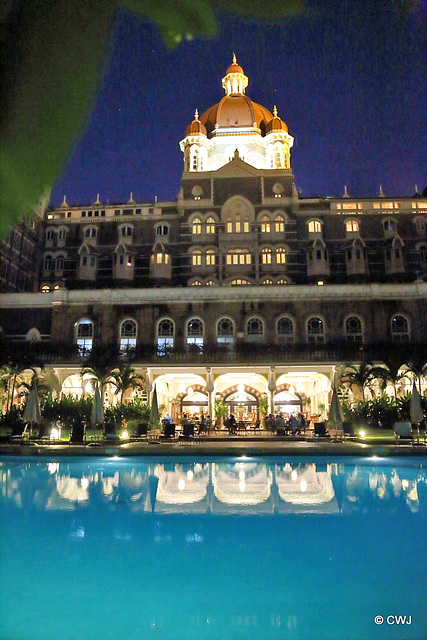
x=196, y=283
x=210, y=258
x=285, y=330
x=282, y=281
x=279, y=224
x=239, y=282
x=246, y=226
x=195, y=332
x=210, y=225
x=399, y=329
x=45, y=288
x=353, y=329
x=315, y=331
x=238, y=256
x=266, y=256
x=196, y=258
x=210, y=283
x=225, y=332
x=267, y=281
x=238, y=224
x=351, y=226
x=265, y=224
x=128, y=331
x=280, y=255
x=349, y=205
x=196, y=226
x=84, y=336
x=165, y=336
x=314, y=226
x=229, y=225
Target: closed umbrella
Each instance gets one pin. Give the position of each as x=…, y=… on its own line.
x=32, y=408
x=154, y=413
x=97, y=416
x=335, y=414
x=415, y=408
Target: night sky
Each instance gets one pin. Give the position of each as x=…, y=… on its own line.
x=348, y=78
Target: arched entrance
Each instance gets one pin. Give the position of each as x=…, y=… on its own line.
x=242, y=402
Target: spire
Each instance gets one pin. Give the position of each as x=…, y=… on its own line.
x=64, y=203
x=97, y=201
x=345, y=194
x=381, y=195
x=131, y=200
x=275, y=111
x=196, y=115
x=294, y=191
x=234, y=59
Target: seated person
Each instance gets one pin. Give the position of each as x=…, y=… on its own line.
x=294, y=425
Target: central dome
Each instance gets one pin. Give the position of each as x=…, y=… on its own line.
x=235, y=110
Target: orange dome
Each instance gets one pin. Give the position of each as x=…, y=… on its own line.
x=234, y=68
x=236, y=111
x=276, y=124
x=196, y=127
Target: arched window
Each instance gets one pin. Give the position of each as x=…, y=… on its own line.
x=255, y=330
x=126, y=232
x=267, y=281
x=285, y=330
x=45, y=288
x=196, y=283
x=315, y=330
x=266, y=255
x=47, y=263
x=210, y=257
x=314, y=226
x=399, y=329
x=165, y=336
x=353, y=329
x=210, y=225
x=423, y=254
x=84, y=336
x=225, y=331
x=237, y=282
x=229, y=225
x=196, y=258
x=265, y=224
x=50, y=234
x=196, y=227
x=210, y=283
x=279, y=224
x=237, y=223
x=195, y=332
x=282, y=281
x=351, y=226
x=162, y=230
x=389, y=226
x=59, y=263
x=128, y=331
x=90, y=233
x=280, y=255
x=62, y=234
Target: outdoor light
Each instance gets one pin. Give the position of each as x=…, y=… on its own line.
x=181, y=485
x=303, y=485
x=362, y=434
x=124, y=434
x=88, y=387
x=54, y=434
x=294, y=475
x=320, y=282
x=190, y=474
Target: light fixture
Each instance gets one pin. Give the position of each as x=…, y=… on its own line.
x=190, y=474
x=242, y=485
x=362, y=434
x=320, y=283
x=124, y=434
x=54, y=434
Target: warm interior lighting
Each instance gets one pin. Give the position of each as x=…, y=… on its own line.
x=190, y=474
x=300, y=387
x=320, y=283
x=84, y=483
x=54, y=434
x=405, y=484
x=190, y=391
x=292, y=390
x=242, y=485
x=242, y=475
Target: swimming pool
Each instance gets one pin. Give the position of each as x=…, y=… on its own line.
x=242, y=548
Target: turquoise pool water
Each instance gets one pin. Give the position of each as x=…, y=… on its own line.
x=239, y=549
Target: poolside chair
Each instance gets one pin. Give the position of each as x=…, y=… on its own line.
x=320, y=430
x=403, y=431
x=77, y=432
x=19, y=432
x=168, y=430
x=348, y=428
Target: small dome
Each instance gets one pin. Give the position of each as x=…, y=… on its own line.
x=276, y=123
x=196, y=127
x=234, y=67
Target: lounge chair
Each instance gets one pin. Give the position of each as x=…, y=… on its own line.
x=320, y=430
x=77, y=432
x=19, y=432
x=348, y=428
x=168, y=430
x=403, y=431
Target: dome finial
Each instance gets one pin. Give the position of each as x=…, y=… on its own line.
x=275, y=111
x=64, y=203
x=381, y=195
x=345, y=194
x=196, y=115
x=234, y=59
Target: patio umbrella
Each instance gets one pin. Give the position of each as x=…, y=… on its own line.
x=32, y=408
x=154, y=413
x=415, y=408
x=335, y=414
x=97, y=416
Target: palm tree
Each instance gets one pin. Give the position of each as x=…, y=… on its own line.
x=417, y=364
x=11, y=381
x=124, y=377
x=360, y=376
x=99, y=367
x=391, y=371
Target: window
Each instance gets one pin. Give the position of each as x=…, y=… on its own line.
x=196, y=258
x=195, y=332
x=45, y=288
x=50, y=234
x=162, y=230
x=279, y=224
x=399, y=329
x=196, y=283
x=255, y=330
x=47, y=263
x=246, y=225
x=267, y=281
x=389, y=225
x=423, y=254
x=160, y=258
x=59, y=263
x=266, y=256
x=90, y=233
x=196, y=226
x=280, y=255
x=315, y=331
x=225, y=331
x=238, y=256
x=165, y=336
x=84, y=336
x=210, y=225
x=265, y=224
x=420, y=225
x=285, y=330
x=351, y=226
x=229, y=225
x=282, y=281
x=126, y=232
x=210, y=258
x=314, y=226
x=128, y=330
x=238, y=224
x=62, y=234
x=238, y=282
x=353, y=329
